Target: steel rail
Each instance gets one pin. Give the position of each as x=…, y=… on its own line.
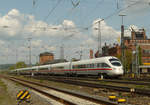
x=95, y=85
x=61, y=100
x=97, y=80
x=90, y=98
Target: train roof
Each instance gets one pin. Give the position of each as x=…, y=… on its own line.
x=95, y=60
x=87, y=61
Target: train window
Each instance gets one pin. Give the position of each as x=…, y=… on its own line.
x=60, y=67
x=88, y=66
x=82, y=66
x=99, y=65
x=104, y=65
x=75, y=66
x=91, y=65
x=42, y=68
x=116, y=63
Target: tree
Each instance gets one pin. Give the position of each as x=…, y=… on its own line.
x=128, y=59
x=19, y=64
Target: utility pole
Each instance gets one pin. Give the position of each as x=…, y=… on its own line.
x=62, y=52
x=16, y=55
x=122, y=44
x=81, y=53
x=29, y=40
x=137, y=59
x=99, y=38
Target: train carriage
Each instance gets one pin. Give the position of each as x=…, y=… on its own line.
x=106, y=66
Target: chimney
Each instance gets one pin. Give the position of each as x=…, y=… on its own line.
x=91, y=54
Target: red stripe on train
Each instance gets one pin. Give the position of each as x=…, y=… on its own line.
x=73, y=70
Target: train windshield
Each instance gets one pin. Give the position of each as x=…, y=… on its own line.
x=115, y=62
x=113, y=59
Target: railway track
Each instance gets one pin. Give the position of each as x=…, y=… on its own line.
x=105, y=80
x=145, y=92
x=34, y=85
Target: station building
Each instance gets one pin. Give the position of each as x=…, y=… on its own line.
x=139, y=38
x=45, y=57
x=48, y=58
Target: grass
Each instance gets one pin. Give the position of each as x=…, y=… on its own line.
x=141, y=86
x=5, y=99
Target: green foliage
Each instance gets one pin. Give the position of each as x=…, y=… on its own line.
x=128, y=59
x=37, y=64
x=119, y=56
x=19, y=64
x=12, y=67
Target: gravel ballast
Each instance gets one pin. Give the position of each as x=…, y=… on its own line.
x=36, y=98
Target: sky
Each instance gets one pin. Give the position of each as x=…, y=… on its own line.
x=72, y=24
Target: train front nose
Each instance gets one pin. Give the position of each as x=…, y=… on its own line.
x=118, y=71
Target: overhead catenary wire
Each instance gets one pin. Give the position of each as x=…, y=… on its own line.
x=75, y=4
x=51, y=11
x=107, y=17
x=116, y=12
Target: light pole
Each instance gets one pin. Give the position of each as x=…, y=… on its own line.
x=29, y=40
x=36, y=56
x=99, y=37
x=122, y=44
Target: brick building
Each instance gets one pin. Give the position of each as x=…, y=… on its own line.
x=139, y=37
x=45, y=57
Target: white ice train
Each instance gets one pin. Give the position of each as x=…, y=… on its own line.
x=106, y=66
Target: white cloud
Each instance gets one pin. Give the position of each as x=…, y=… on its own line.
x=17, y=27
x=90, y=42
x=51, y=48
x=15, y=24
x=108, y=34
x=2, y=43
x=49, y=36
x=37, y=43
x=47, y=48
x=10, y=24
x=128, y=31
x=14, y=13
